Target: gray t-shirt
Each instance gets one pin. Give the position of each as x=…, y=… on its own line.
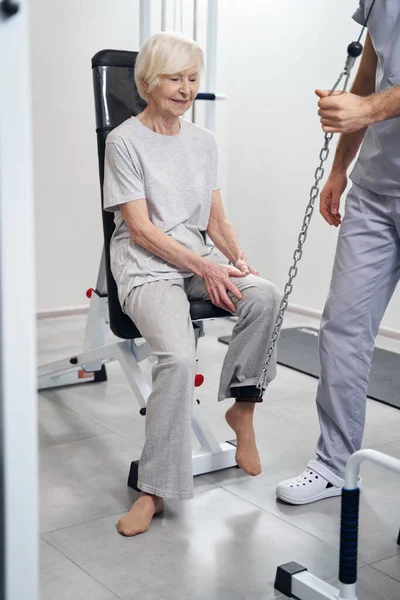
x=176, y=175
x=378, y=166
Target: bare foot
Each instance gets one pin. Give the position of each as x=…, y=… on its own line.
x=240, y=418
x=141, y=514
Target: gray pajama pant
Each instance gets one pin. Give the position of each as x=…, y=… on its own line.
x=365, y=275
x=160, y=310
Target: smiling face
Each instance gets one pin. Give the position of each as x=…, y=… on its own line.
x=174, y=94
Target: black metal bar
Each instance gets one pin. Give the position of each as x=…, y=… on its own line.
x=349, y=536
x=205, y=96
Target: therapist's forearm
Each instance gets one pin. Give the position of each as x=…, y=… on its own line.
x=363, y=85
x=377, y=107
x=385, y=105
x=346, y=150
x=159, y=243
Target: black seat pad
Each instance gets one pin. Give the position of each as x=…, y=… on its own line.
x=203, y=309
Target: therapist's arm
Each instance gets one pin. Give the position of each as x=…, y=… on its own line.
x=385, y=105
x=362, y=107
x=349, y=142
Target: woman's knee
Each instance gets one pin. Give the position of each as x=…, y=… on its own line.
x=265, y=296
x=181, y=361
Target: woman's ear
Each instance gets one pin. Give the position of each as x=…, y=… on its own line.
x=145, y=86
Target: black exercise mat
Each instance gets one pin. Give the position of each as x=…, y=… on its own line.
x=298, y=350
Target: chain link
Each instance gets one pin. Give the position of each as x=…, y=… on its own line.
x=314, y=192
x=298, y=253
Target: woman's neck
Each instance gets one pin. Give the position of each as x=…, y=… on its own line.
x=162, y=124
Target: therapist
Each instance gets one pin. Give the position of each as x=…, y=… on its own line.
x=367, y=263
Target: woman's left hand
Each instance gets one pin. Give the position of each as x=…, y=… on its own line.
x=243, y=266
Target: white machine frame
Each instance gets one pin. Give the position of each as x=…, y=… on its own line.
x=305, y=586
x=87, y=367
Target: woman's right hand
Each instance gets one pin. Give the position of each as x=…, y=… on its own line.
x=329, y=202
x=216, y=278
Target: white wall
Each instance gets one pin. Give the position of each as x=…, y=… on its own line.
x=271, y=57
x=279, y=53
x=64, y=37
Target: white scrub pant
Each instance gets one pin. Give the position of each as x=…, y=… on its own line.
x=365, y=274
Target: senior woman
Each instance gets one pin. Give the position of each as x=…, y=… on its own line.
x=161, y=181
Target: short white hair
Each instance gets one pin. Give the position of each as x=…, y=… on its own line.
x=165, y=54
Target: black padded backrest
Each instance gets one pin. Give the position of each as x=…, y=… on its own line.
x=116, y=99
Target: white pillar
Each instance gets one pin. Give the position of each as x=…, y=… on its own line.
x=144, y=21
x=18, y=403
x=211, y=58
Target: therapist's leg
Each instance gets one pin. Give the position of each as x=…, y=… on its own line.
x=365, y=274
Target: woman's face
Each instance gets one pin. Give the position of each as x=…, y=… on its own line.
x=174, y=94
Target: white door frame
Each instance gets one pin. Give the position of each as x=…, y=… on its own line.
x=18, y=403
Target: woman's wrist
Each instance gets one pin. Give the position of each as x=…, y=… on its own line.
x=240, y=256
x=201, y=267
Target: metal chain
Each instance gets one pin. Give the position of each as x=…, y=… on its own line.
x=353, y=53
x=298, y=253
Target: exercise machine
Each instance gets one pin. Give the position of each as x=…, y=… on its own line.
x=116, y=99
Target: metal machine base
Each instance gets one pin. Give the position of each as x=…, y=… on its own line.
x=204, y=461
x=78, y=376
x=295, y=581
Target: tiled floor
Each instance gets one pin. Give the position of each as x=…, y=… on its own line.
x=228, y=541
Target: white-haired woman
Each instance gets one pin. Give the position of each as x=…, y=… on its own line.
x=161, y=181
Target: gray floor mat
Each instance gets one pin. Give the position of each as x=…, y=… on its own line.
x=298, y=350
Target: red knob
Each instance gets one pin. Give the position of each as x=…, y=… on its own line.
x=89, y=292
x=198, y=380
